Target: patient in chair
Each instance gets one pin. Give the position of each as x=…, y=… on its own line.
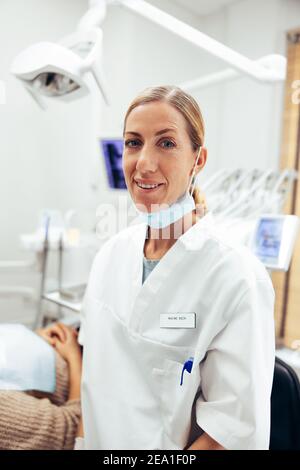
x=40, y=376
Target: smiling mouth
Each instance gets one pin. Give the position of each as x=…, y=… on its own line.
x=148, y=187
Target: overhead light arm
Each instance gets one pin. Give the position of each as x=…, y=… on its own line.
x=236, y=60
x=81, y=40
x=94, y=17
x=273, y=61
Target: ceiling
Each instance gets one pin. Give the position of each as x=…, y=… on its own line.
x=203, y=7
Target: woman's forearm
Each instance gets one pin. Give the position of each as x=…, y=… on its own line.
x=205, y=442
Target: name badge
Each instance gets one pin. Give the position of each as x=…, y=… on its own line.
x=178, y=320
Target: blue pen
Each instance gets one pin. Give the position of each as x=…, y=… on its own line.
x=187, y=366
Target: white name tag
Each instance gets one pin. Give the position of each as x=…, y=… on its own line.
x=178, y=320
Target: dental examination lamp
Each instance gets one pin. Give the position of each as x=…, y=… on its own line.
x=67, y=69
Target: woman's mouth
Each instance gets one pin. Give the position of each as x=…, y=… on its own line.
x=147, y=187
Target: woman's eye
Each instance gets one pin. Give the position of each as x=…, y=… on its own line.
x=168, y=144
x=131, y=143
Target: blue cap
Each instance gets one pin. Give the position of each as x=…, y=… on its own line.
x=187, y=366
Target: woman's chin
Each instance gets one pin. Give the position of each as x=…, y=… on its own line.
x=148, y=200
x=148, y=204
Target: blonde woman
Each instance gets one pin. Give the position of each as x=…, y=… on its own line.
x=177, y=320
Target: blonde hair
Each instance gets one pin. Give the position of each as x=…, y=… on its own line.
x=189, y=109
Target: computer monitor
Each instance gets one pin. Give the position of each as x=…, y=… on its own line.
x=273, y=240
x=112, y=150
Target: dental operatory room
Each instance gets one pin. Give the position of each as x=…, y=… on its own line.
x=144, y=142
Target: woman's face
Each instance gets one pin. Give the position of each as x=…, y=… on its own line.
x=158, y=153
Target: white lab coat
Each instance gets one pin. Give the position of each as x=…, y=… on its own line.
x=131, y=392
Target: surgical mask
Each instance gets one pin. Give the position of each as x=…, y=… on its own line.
x=182, y=206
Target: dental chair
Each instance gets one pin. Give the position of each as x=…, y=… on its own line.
x=285, y=410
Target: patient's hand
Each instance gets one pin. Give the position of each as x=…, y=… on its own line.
x=51, y=332
x=66, y=343
x=70, y=350
x=63, y=338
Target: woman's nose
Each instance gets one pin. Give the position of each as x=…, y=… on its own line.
x=147, y=161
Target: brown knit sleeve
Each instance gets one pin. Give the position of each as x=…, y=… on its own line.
x=29, y=423
x=62, y=381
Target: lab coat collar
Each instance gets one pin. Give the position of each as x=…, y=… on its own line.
x=194, y=237
x=143, y=293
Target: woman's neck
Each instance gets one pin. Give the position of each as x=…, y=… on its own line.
x=159, y=241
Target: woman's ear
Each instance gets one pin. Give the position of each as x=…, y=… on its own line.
x=201, y=160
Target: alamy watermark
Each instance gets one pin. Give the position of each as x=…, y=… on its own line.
x=114, y=217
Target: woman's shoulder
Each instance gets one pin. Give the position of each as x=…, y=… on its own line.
x=236, y=259
x=226, y=255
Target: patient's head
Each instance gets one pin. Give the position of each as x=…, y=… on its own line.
x=64, y=341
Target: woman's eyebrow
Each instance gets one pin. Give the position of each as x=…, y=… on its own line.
x=163, y=131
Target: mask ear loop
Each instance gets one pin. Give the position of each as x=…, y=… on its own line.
x=194, y=169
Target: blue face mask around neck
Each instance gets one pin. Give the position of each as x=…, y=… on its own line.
x=182, y=206
x=165, y=217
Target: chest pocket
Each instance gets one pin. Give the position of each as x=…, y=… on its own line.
x=175, y=400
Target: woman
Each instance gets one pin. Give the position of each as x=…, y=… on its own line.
x=38, y=420
x=197, y=333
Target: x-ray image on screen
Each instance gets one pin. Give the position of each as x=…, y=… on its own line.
x=112, y=151
x=268, y=239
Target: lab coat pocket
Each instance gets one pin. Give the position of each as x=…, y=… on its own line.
x=176, y=400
